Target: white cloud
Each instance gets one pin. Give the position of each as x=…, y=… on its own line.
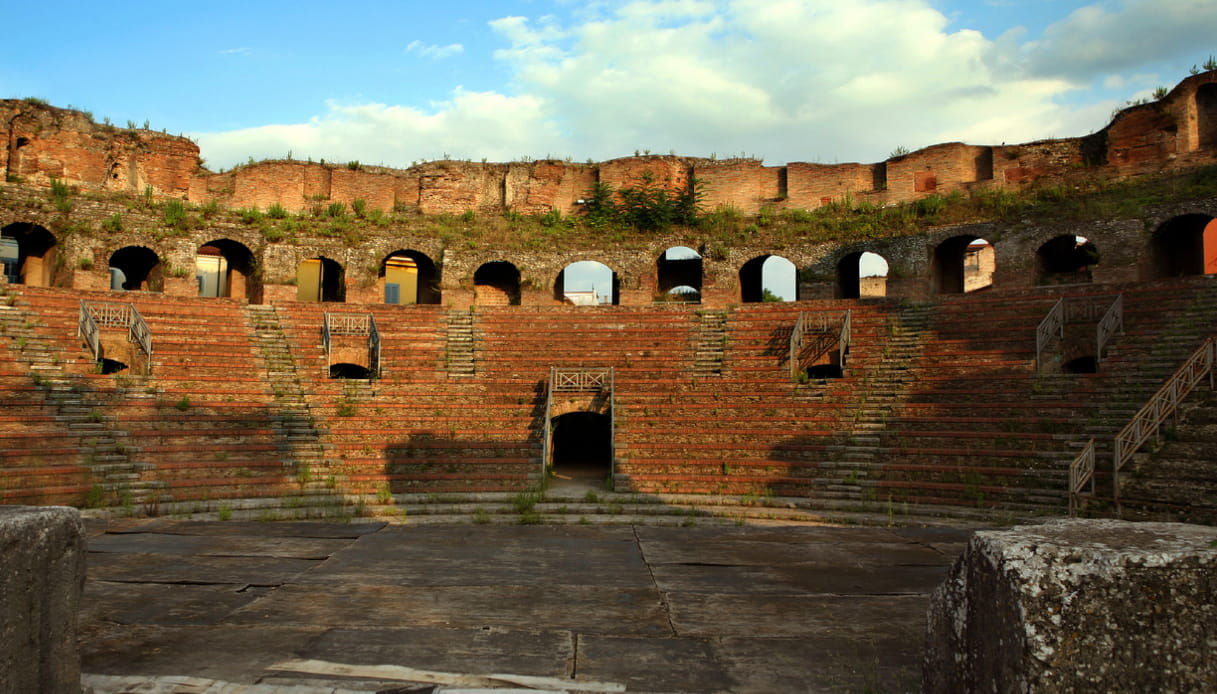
x=1107, y=37
x=243, y=50
x=433, y=52
x=470, y=125
x=789, y=80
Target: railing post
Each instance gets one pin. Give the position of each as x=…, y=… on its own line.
x=613, y=427
x=549, y=400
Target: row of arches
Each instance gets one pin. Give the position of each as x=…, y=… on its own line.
x=1183, y=245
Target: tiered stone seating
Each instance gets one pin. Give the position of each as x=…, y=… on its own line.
x=749, y=431
x=414, y=430
x=939, y=409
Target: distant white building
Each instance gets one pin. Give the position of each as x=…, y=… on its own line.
x=589, y=298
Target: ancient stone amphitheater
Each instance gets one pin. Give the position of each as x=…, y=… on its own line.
x=297, y=339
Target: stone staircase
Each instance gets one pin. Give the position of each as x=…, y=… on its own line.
x=298, y=433
x=846, y=473
x=1176, y=479
x=460, y=345
x=708, y=352
x=80, y=414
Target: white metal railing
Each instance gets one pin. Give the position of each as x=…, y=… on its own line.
x=1052, y=327
x=1111, y=324
x=579, y=380
x=89, y=330
x=351, y=325
x=823, y=325
x=140, y=334
x=95, y=315
x=373, y=347
x=847, y=330
x=1081, y=475
x=1165, y=403
x=1110, y=317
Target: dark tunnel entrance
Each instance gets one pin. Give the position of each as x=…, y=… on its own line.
x=582, y=448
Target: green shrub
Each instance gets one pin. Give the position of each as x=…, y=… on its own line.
x=276, y=211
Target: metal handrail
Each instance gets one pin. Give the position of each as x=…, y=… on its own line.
x=796, y=344
x=847, y=329
x=1081, y=473
x=373, y=347
x=1052, y=325
x=1165, y=403
x=804, y=326
x=351, y=325
x=580, y=380
x=97, y=315
x=88, y=329
x=139, y=333
x=1110, y=324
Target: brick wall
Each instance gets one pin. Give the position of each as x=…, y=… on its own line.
x=43, y=142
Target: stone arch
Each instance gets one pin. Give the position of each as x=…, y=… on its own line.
x=320, y=279
x=587, y=283
x=226, y=268
x=581, y=446
x=1066, y=259
x=28, y=252
x=136, y=268
x=1185, y=245
x=678, y=274
x=963, y=264
x=409, y=277
x=768, y=273
x=497, y=283
x=1206, y=116
x=862, y=274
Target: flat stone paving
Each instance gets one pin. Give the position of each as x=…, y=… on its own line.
x=647, y=609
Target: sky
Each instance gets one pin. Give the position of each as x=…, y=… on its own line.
x=393, y=83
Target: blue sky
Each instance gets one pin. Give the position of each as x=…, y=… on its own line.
x=784, y=80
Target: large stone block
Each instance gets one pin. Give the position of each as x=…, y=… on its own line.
x=42, y=572
x=1085, y=605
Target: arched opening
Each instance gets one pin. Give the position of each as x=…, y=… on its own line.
x=581, y=447
x=824, y=371
x=497, y=283
x=1066, y=259
x=1081, y=365
x=1206, y=115
x=136, y=268
x=683, y=293
x=111, y=366
x=862, y=275
x=1185, y=245
x=225, y=268
x=320, y=279
x=28, y=252
x=409, y=277
x=679, y=268
x=963, y=264
x=586, y=283
x=352, y=371
x=768, y=278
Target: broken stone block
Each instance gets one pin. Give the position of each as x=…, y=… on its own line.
x=1078, y=605
x=42, y=573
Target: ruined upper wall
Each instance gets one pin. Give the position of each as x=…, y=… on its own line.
x=41, y=143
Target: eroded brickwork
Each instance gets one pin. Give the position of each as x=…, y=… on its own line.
x=42, y=142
